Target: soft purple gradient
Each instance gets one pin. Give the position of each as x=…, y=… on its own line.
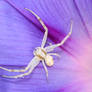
x=20, y=33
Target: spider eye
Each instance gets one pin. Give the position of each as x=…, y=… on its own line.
x=35, y=50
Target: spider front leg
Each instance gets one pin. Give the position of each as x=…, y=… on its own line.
x=52, y=47
x=14, y=70
x=18, y=76
x=45, y=69
x=45, y=28
x=55, y=54
x=17, y=70
x=35, y=61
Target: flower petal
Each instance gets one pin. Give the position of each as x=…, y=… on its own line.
x=69, y=73
x=17, y=37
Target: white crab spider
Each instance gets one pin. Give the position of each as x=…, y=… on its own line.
x=40, y=53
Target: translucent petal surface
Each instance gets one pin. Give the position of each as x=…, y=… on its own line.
x=21, y=33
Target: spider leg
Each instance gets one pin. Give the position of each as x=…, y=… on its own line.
x=54, y=54
x=35, y=61
x=19, y=70
x=13, y=70
x=45, y=69
x=16, y=70
x=19, y=76
x=52, y=47
x=44, y=26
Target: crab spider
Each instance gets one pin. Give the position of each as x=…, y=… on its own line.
x=40, y=53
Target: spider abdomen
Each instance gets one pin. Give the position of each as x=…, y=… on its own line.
x=49, y=60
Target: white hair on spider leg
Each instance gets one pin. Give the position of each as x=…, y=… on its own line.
x=40, y=53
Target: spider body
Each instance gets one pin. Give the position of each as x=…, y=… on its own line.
x=40, y=54
x=49, y=60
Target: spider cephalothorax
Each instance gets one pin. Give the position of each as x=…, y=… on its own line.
x=40, y=54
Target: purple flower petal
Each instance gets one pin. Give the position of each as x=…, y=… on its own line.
x=17, y=37
x=71, y=72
